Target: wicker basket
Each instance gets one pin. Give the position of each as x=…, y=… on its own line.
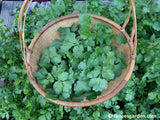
x=48, y=33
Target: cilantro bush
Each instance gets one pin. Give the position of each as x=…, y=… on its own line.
x=19, y=100
x=82, y=62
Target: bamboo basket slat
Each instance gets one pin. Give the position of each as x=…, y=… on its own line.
x=49, y=32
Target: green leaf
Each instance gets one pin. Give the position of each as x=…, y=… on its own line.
x=152, y=95
x=107, y=74
x=96, y=115
x=106, y=49
x=85, y=32
x=85, y=20
x=58, y=87
x=93, y=60
x=60, y=6
x=56, y=59
x=71, y=37
x=45, y=59
x=67, y=109
x=81, y=86
x=50, y=93
x=82, y=66
x=109, y=62
x=48, y=116
x=66, y=94
x=67, y=86
x=98, y=50
x=66, y=46
x=77, y=98
x=63, y=76
x=63, y=64
x=64, y=32
x=54, y=70
x=38, y=75
x=91, y=95
x=108, y=104
x=89, y=49
x=117, y=70
x=74, y=27
x=85, y=23
x=79, y=8
x=146, y=9
x=147, y=58
x=94, y=73
x=44, y=82
x=77, y=51
x=7, y=115
x=130, y=95
x=56, y=43
x=50, y=78
x=70, y=55
x=156, y=26
x=74, y=63
x=42, y=117
x=61, y=110
x=52, y=52
x=64, y=99
x=120, y=55
x=121, y=39
x=139, y=58
x=45, y=52
x=82, y=76
x=89, y=41
x=42, y=111
x=98, y=84
x=43, y=71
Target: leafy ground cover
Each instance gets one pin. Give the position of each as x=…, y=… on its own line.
x=141, y=94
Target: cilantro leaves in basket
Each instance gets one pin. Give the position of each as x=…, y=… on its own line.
x=121, y=39
x=82, y=62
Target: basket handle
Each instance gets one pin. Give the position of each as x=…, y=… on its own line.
x=22, y=27
x=134, y=29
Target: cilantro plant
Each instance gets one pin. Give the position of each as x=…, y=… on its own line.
x=20, y=101
x=82, y=62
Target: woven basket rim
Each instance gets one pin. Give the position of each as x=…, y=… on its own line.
x=95, y=101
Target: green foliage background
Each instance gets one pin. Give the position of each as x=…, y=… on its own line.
x=141, y=94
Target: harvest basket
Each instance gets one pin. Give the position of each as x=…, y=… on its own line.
x=49, y=32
